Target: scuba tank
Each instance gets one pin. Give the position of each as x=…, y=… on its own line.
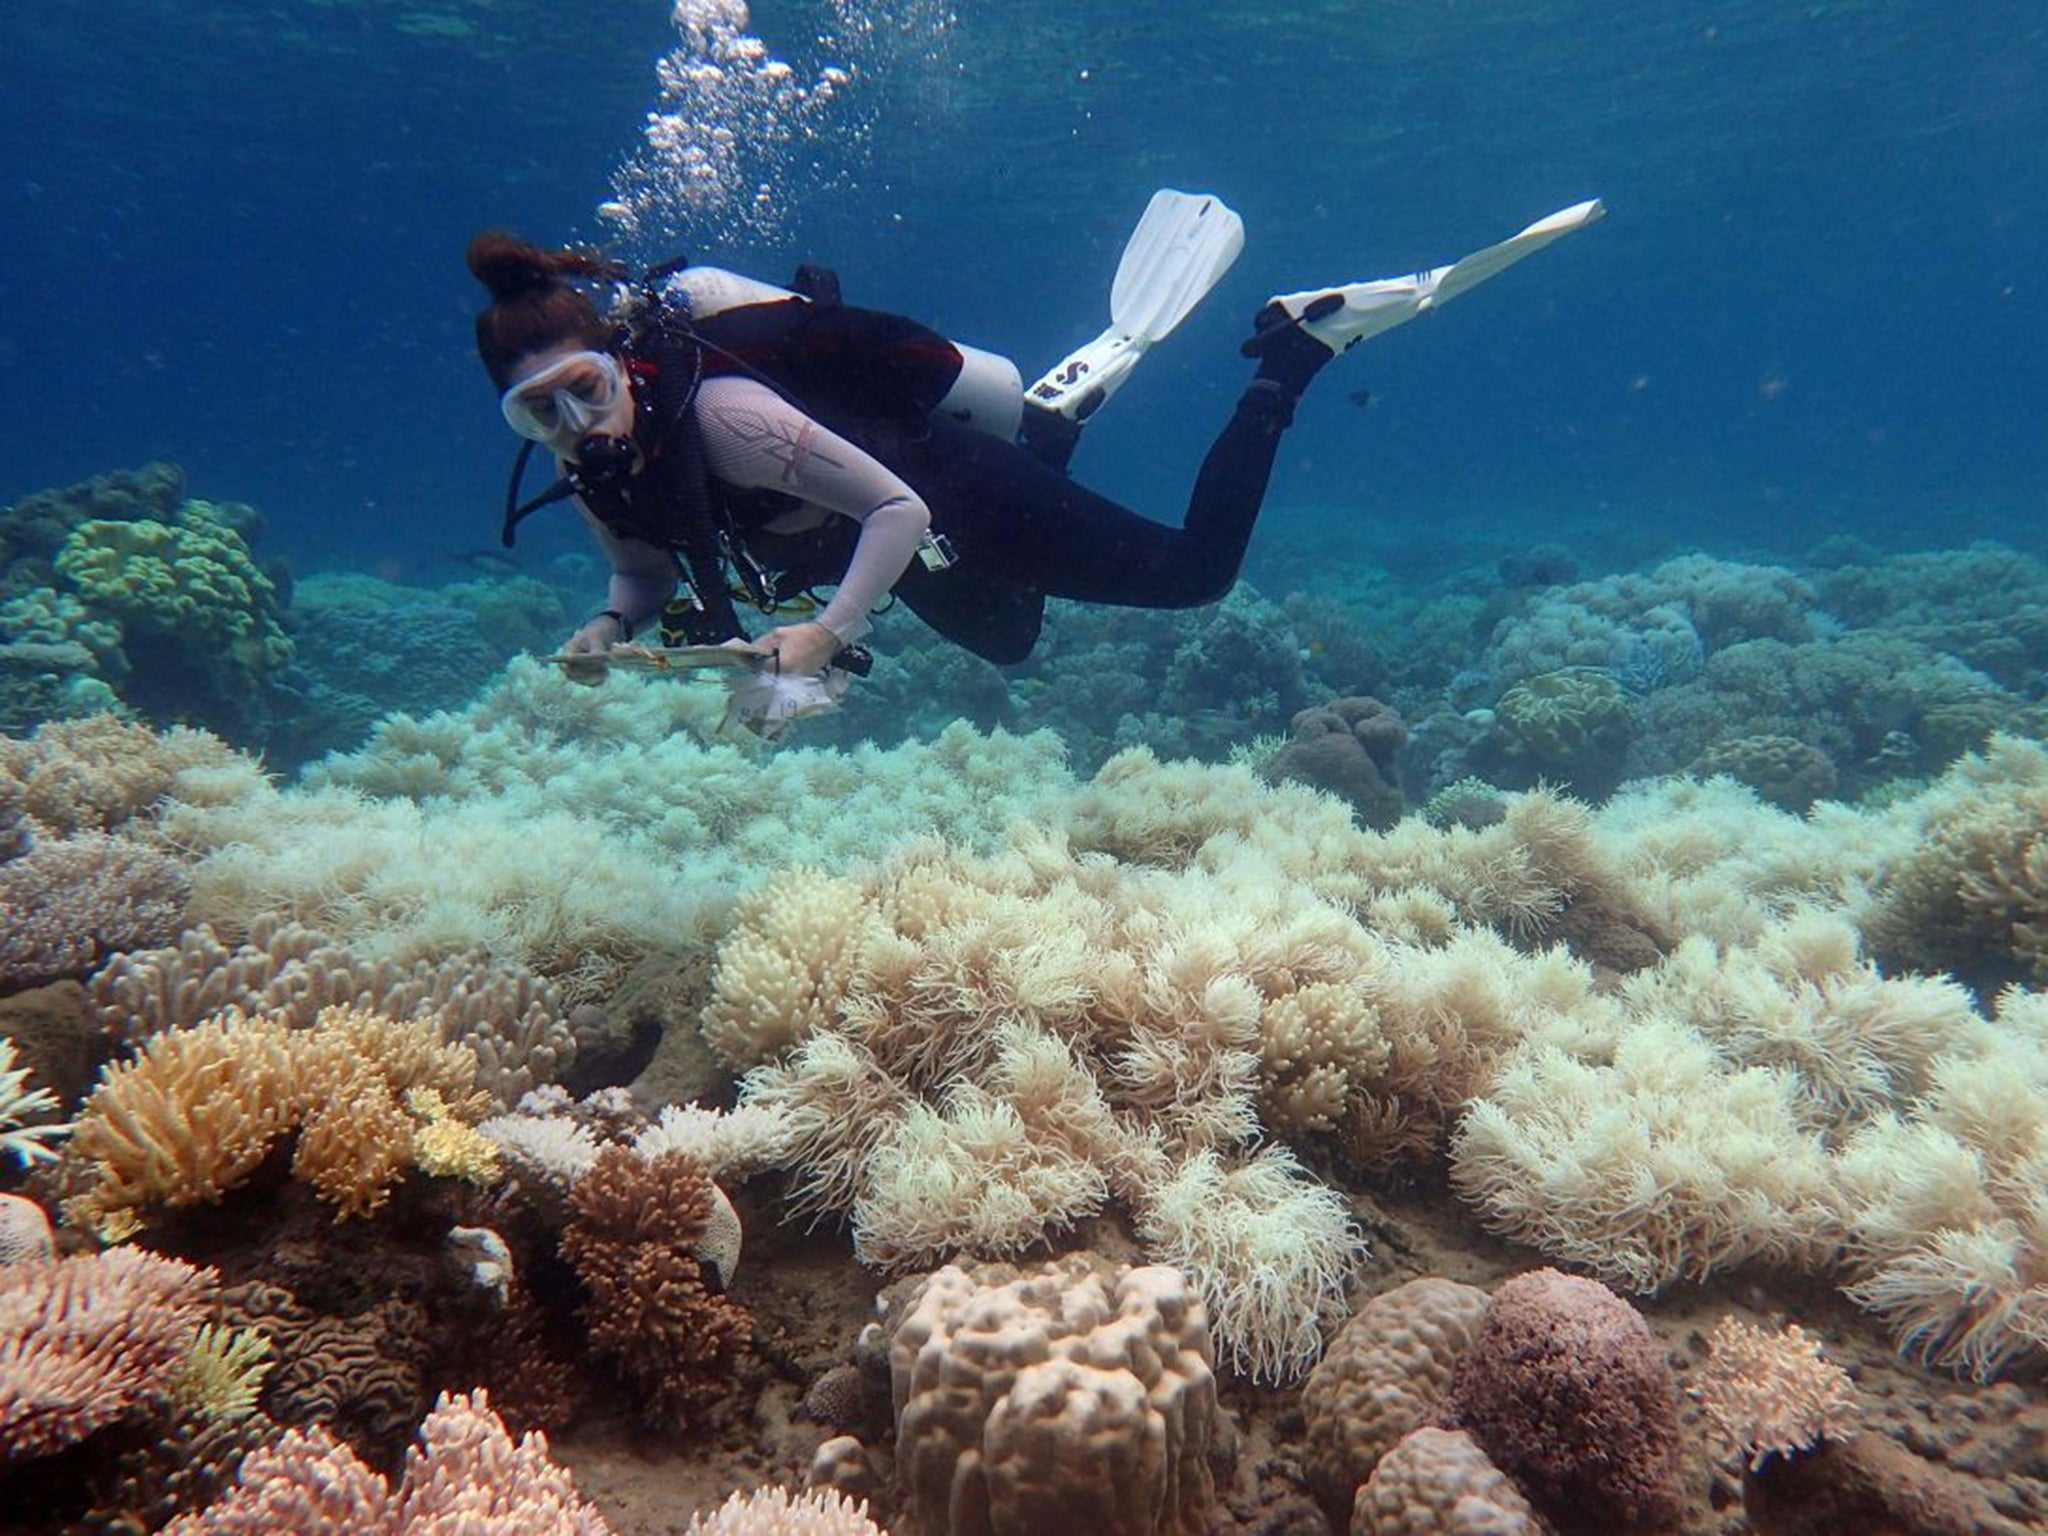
x=984, y=391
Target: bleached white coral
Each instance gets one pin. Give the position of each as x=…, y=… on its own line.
x=552, y=1148
x=775, y=1511
x=969, y=1178
x=1270, y=1250
x=1948, y=1207
x=17, y=1101
x=732, y=1142
x=1667, y=1163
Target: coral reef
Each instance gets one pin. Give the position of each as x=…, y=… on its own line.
x=1066, y=1399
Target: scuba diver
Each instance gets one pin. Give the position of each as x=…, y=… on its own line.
x=725, y=439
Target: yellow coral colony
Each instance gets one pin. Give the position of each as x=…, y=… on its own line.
x=198, y=1109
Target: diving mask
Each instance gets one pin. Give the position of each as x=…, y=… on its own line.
x=565, y=399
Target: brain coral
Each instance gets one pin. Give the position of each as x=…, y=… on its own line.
x=1568, y=1392
x=1067, y=1400
x=1380, y=1379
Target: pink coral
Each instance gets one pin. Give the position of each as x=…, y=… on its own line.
x=466, y=1477
x=86, y=1342
x=1568, y=1392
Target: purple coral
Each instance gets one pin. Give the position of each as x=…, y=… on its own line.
x=1568, y=1392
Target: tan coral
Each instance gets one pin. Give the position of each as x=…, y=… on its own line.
x=1772, y=1392
x=1381, y=1378
x=1067, y=1399
x=1438, y=1482
x=191, y=1115
x=198, y=1109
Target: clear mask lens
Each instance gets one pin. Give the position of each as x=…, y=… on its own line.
x=565, y=399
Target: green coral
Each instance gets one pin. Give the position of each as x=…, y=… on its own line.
x=1573, y=722
x=222, y=1374
x=207, y=619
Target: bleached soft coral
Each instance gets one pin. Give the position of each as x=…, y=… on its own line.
x=1948, y=1207
x=1772, y=1393
x=970, y=1178
x=1270, y=1250
x=1666, y=1163
x=1802, y=998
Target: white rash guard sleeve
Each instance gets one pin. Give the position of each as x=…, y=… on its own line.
x=756, y=440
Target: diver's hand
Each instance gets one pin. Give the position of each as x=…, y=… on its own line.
x=596, y=636
x=807, y=648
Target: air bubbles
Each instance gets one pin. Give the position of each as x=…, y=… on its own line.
x=739, y=138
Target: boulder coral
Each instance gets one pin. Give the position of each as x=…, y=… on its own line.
x=1567, y=1391
x=1379, y=1380
x=1347, y=748
x=1067, y=1399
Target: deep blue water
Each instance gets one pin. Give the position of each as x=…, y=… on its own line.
x=235, y=235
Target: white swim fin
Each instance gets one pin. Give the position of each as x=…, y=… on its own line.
x=1180, y=250
x=1343, y=317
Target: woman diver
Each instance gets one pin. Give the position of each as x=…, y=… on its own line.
x=724, y=437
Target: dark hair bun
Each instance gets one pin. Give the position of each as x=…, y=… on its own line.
x=509, y=266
